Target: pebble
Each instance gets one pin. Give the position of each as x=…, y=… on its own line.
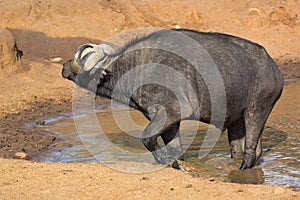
x=42, y=122
x=21, y=155
x=279, y=190
x=56, y=59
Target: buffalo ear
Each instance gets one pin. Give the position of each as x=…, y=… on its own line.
x=100, y=73
x=106, y=74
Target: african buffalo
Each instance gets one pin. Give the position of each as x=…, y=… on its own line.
x=249, y=84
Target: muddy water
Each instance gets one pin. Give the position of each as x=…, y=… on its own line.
x=281, y=143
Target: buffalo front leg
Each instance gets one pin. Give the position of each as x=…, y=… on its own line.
x=172, y=141
x=236, y=137
x=158, y=125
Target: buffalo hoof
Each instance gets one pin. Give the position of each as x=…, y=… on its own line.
x=247, y=165
x=175, y=165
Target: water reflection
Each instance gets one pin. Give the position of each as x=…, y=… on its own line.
x=251, y=176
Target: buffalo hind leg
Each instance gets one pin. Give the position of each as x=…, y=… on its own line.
x=255, y=120
x=258, y=151
x=236, y=138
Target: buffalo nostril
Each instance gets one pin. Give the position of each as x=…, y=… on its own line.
x=68, y=75
x=70, y=78
x=65, y=73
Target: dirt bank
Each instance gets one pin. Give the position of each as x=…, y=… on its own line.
x=25, y=180
x=49, y=29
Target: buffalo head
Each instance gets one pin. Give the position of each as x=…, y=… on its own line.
x=88, y=64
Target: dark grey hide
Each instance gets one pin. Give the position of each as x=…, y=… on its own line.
x=253, y=83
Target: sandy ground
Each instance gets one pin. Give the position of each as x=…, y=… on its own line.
x=54, y=28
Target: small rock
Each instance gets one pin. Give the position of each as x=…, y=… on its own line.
x=56, y=59
x=145, y=178
x=279, y=190
x=257, y=18
x=42, y=122
x=21, y=155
